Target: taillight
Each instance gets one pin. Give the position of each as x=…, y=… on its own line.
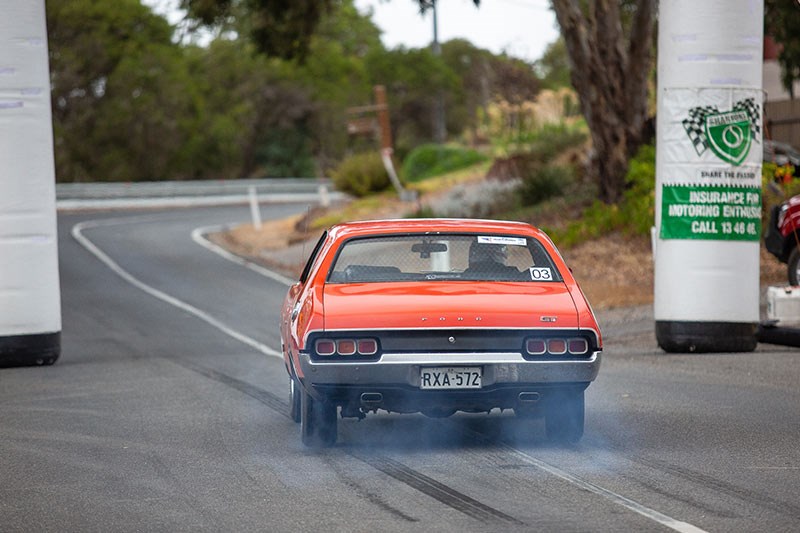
x=346, y=347
x=557, y=346
x=577, y=346
x=367, y=346
x=325, y=347
x=535, y=346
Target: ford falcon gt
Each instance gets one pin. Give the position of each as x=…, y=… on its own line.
x=436, y=316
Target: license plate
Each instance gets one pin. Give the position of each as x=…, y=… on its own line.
x=458, y=377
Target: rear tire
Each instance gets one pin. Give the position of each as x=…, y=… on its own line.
x=792, y=265
x=318, y=424
x=564, y=417
x=294, y=400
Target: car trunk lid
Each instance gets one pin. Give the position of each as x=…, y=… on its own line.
x=445, y=304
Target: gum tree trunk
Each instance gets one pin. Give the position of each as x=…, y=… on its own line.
x=610, y=68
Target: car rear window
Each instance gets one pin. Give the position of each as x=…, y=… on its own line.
x=467, y=257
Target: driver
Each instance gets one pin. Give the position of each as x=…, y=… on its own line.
x=487, y=257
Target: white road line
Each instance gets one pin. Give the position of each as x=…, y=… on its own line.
x=77, y=233
x=652, y=514
x=197, y=236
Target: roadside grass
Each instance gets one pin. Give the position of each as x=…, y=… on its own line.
x=437, y=184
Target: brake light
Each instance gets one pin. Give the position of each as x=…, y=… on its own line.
x=325, y=347
x=346, y=347
x=367, y=346
x=577, y=346
x=557, y=346
x=535, y=346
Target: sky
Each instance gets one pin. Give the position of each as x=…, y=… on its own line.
x=520, y=28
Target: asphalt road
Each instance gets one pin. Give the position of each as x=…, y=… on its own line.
x=167, y=412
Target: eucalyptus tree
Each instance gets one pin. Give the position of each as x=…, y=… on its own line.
x=118, y=92
x=610, y=47
x=782, y=21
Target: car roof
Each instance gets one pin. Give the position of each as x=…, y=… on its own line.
x=433, y=225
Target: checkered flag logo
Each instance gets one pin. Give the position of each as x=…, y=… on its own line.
x=750, y=107
x=695, y=126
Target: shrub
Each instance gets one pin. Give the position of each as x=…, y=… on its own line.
x=434, y=159
x=639, y=199
x=545, y=143
x=361, y=174
x=634, y=214
x=545, y=182
x=552, y=139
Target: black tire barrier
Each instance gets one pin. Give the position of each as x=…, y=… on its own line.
x=771, y=334
x=30, y=350
x=706, y=337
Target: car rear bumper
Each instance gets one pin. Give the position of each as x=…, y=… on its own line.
x=362, y=398
x=504, y=377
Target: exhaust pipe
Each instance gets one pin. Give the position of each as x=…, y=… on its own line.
x=371, y=399
x=528, y=397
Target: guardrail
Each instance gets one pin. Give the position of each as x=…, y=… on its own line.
x=193, y=193
x=167, y=189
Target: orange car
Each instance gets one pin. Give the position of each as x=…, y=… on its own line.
x=437, y=316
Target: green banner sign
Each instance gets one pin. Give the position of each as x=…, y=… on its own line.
x=712, y=213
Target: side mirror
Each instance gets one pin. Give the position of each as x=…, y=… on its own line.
x=294, y=289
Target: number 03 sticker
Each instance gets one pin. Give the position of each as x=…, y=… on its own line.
x=541, y=274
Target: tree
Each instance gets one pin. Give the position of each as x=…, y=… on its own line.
x=781, y=21
x=334, y=70
x=323, y=44
x=609, y=43
x=425, y=5
x=413, y=79
x=281, y=28
x=610, y=49
x=114, y=74
x=253, y=114
x=553, y=66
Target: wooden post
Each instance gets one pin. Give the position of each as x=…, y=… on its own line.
x=383, y=117
x=386, y=144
